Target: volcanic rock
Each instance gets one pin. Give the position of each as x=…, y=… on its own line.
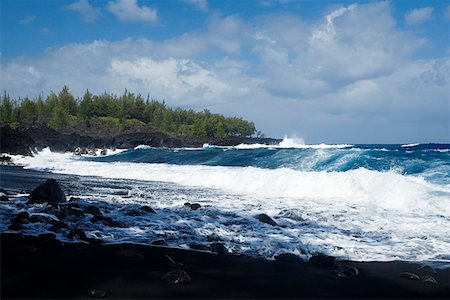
x=287, y=257
x=428, y=279
x=323, y=260
x=93, y=210
x=218, y=248
x=192, y=206
x=97, y=293
x=177, y=277
x=263, y=218
x=348, y=270
x=21, y=218
x=148, y=209
x=49, y=191
x=410, y=276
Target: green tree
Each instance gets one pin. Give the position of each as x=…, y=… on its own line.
x=59, y=118
x=27, y=111
x=6, y=109
x=85, y=109
x=67, y=101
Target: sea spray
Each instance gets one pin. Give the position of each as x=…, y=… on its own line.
x=362, y=202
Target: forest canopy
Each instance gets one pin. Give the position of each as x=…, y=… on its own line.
x=60, y=110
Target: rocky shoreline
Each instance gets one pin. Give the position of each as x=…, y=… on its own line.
x=22, y=139
x=78, y=266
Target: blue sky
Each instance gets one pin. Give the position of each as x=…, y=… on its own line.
x=325, y=71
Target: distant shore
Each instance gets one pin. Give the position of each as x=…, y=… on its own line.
x=21, y=139
x=42, y=267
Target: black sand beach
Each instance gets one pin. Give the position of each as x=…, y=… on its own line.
x=40, y=267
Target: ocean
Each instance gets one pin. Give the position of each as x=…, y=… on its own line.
x=356, y=202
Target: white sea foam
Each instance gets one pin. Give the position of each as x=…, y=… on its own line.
x=289, y=143
x=410, y=145
x=142, y=147
x=359, y=214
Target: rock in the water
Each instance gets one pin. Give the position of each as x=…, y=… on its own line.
x=4, y=159
x=148, y=209
x=77, y=234
x=428, y=279
x=77, y=212
x=195, y=206
x=97, y=293
x=93, y=210
x=3, y=197
x=77, y=151
x=218, y=248
x=200, y=247
x=192, y=206
x=348, y=270
x=104, y=219
x=103, y=152
x=263, y=218
x=49, y=191
x=58, y=224
x=21, y=218
x=288, y=257
x=410, y=276
x=159, y=243
x=323, y=261
x=47, y=236
x=177, y=277
x=41, y=218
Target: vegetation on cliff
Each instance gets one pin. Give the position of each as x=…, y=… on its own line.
x=65, y=113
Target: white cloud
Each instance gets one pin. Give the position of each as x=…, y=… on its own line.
x=27, y=20
x=176, y=79
x=129, y=10
x=201, y=5
x=88, y=12
x=350, y=44
x=348, y=77
x=418, y=15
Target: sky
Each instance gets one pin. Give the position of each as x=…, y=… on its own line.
x=324, y=71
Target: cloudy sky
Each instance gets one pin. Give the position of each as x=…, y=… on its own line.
x=331, y=72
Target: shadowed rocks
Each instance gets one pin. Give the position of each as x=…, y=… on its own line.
x=148, y=209
x=409, y=276
x=218, y=248
x=97, y=293
x=288, y=257
x=322, y=260
x=192, y=206
x=177, y=277
x=48, y=192
x=93, y=210
x=263, y=218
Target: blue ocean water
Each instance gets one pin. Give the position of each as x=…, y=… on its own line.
x=432, y=161
x=360, y=202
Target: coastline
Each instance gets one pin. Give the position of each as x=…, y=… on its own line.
x=39, y=267
x=25, y=137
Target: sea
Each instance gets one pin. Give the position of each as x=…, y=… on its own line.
x=355, y=202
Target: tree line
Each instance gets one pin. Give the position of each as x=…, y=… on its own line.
x=58, y=110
